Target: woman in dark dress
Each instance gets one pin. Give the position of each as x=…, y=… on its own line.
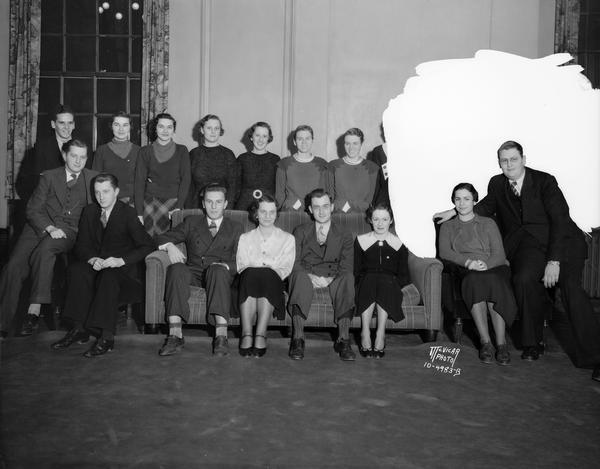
x=381, y=271
x=119, y=156
x=211, y=162
x=162, y=176
x=265, y=257
x=257, y=167
x=474, y=246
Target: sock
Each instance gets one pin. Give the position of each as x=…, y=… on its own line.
x=34, y=308
x=221, y=329
x=175, y=326
x=344, y=328
x=297, y=323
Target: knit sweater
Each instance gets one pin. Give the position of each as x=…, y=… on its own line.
x=107, y=161
x=258, y=172
x=352, y=184
x=295, y=179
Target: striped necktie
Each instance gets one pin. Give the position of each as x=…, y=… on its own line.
x=103, y=219
x=213, y=228
x=513, y=188
x=72, y=180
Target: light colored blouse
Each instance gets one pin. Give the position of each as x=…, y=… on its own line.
x=278, y=251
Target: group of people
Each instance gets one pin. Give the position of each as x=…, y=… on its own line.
x=534, y=246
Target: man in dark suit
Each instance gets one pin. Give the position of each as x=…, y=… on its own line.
x=52, y=217
x=111, y=246
x=545, y=248
x=324, y=259
x=211, y=245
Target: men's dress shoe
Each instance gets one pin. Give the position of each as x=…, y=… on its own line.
x=30, y=324
x=220, y=346
x=531, y=353
x=344, y=349
x=596, y=373
x=74, y=336
x=172, y=345
x=100, y=347
x=502, y=355
x=297, y=349
x=486, y=353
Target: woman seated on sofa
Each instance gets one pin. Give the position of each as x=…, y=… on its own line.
x=352, y=179
x=265, y=257
x=381, y=272
x=474, y=247
x=298, y=174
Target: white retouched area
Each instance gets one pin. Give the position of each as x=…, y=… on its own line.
x=451, y=118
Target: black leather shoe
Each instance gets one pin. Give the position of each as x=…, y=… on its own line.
x=245, y=351
x=502, y=355
x=344, y=349
x=30, y=324
x=100, y=347
x=365, y=352
x=259, y=351
x=74, y=336
x=596, y=373
x=376, y=353
x=530, y=353
x=220, y=346
x=171, y=346
x=296, y=349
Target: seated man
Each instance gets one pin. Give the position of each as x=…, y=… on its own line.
x=324, y=259
x=52, y=217
x=211, y=244
x=111, y=246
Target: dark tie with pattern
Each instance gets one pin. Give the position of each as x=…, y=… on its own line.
x=513, y=187
x=103, y=219
x=321, y=238
x=212, y=228
x=72, y=180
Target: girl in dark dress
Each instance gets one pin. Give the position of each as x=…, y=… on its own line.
x=212, y=162
x=265, y=257
x=474, y=246
x=119, y=156
x=381, y=270
x=258, y=167
x=162, y=176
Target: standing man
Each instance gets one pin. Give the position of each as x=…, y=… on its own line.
x=545, y=248
x=211, y=245
x=52, y=217
x=324, y=259
x=111, y=247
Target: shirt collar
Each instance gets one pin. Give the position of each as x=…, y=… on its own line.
x=519, y=181
x=108, y=210
x=68, y=173
x=326, y=227
x=217, y=222
x=368, y=239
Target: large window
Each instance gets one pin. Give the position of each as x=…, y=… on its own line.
x=91, y=54
x=588, y=54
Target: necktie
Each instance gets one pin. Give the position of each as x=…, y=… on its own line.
x=103, y=219
x=212, y=228
x=72, y=180
x=321, y=238
x=513, y=187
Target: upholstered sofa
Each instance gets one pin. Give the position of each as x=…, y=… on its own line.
x=425, y=274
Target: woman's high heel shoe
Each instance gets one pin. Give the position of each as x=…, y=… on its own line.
x=365, y=352
x=259, y=352
x=376, y=353
x=245, y=351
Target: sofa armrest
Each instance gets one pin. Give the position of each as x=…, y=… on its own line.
x=426, y=274
x=156, y=270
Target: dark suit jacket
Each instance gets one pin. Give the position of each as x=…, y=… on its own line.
x=544, y=215
x=47, y=155
x=124, y=236
x=49, y=198
x=202, y=249
x=337, y=257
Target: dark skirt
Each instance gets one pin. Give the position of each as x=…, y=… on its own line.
x=383, y=289
x=263, y=282
x=491, y=285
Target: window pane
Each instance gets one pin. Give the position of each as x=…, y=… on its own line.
x=136, y=55
x=52, y=16
x=84, y=131
x=79, y=94
x=135, y=96
x=49, y=94
x=112, y=95
x=108, y=21
x=114, y=54
x=135, y=129
x=103, y=130
x=81, y=16
x=81, y=54
x=136, y=17
x=51, y=54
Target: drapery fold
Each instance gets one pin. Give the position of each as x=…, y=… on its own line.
x=566, y=29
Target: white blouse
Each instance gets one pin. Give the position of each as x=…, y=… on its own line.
x=278, y=251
